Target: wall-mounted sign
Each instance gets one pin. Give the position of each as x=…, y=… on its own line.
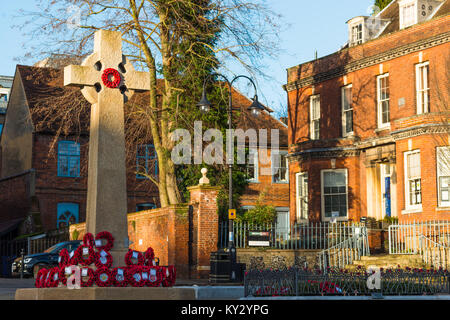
x=258, y=238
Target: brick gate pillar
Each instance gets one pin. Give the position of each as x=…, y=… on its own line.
x=205, y=226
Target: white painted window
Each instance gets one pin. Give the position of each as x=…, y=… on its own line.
x=334, y=194
x=302, y=196
x=443, y=176
x=383, y=100
x=422, y=88
x=413, y=181
x=347, y=111
x=280, y=167
x=252, y=165
x=408, y=15
x=315, y=117
x=357, y=34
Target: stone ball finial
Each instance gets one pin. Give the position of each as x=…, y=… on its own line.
x=204, y=179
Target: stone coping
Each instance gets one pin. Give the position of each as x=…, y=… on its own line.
x=131, y=293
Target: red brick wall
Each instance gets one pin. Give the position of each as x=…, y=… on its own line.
x=15, y=196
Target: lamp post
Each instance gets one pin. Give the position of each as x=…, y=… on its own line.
x=255, y=108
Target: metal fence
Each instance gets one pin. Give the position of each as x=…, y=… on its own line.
x=11, y=249
x=301, y=282
x=345, y=252
x=430, y=240
x=312, y=236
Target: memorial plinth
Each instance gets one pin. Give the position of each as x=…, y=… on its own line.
x=111, y=293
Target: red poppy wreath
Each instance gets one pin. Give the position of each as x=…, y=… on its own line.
x=64, y=258
x=88, y=239
x=52, y=278
x=104, y=235
x=119, y=276
x=134, y=258
x=154, y=277
x=103, y=277
x=85, y=255
x=103, y=259
x=134, y=276
x=87, y=273
x=111, y=78
x=169, y=276
x=40, y=278
x=149, y=257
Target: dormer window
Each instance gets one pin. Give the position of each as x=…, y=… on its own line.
x=408, y=14
x=357, y=34
x=356, y=30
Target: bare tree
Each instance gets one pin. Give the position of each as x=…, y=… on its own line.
x=156, y=33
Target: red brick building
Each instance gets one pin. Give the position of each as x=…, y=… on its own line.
x=369, y=124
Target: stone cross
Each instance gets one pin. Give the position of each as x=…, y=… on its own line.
x=107, y=80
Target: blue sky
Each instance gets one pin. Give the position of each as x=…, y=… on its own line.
x=307, y=25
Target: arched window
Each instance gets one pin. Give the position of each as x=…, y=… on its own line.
x=67, y=213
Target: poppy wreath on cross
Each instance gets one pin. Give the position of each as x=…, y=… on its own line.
x=119, y=276
x=88, y=239
x=73, y=261
x=111, y=78
x=85, y=255
x=133, y=258
x=104, y=235
x=103, y=259
x=63, y=258
x=103, y=277
x=40, y=278
x=149, y=257
x=52, y=278
x=87, y=273
x=169, y=276
x=154, y=277
x=134, y=276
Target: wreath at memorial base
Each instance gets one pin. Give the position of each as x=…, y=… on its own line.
x=63, y=275
x=132, y=256
x=104, y=235
x=85, y=255
x=52, y=278
x=119, y=276
x=115, y=76
x=103, y=277
x=64, y=258
x=134, y=276
x=103, y=259
x=73, y=261
x=169, y=276
x=87, y=274
x=149, y=257
x=88, y=239
x=40, y=278
x=155, y=276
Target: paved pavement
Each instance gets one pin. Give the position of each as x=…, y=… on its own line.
x=8, y=286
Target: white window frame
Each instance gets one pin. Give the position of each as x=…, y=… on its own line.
x=380, y=101
x=300, y=178
x=441, y=174
x=314, y=117
x=283, y=233
x=344, y=122
x=402, y=6
x=423, y=92
x=358, y=36
x=322, y=194
x=276, y=167
x=254, y=151
x=408, y=205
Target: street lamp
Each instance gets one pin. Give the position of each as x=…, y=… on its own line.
x=255, y=109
